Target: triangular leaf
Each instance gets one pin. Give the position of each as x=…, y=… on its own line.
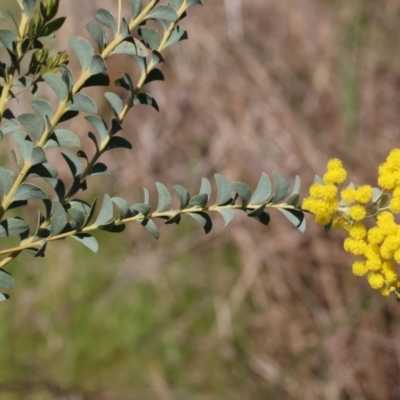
x=203, y=219
x=88, y=240
x=12, y=226
x=27, y=191
x=183, y=194
x=106, y=214
x=151, y=227
x=82, y=102
x=281, y=189
x=227, y=215
x=58, y=218
x=263, y=190
x=83, y=49
x=224, y=189
x=164, y=197
x=6, y=280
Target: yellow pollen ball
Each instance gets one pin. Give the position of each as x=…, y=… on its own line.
x=394, y=205
x=363, y=194
x=348, y=194
x=376, y=280
x=358, y=212
x=359, y=268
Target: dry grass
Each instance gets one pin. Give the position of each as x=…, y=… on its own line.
x=281, y=315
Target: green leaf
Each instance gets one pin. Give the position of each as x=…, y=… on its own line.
x=97, y=65
x=175, y=219
x=99, y=169
x=134, y=48
x=140, y=208
x=227, y=215
x=6, y=180
x=199, y=200
x=63, y=138
x=38, y=156
x=66, y=76
x=29, y=6
x=136, y=7
x=151, y=227
x=296, y=186
x=7, y=39
x=27, y=191
x=281, y=189
x=115, y=101
x=43, y=171
x=256, y=212
x=243, y=190
x=107, y=19
x=83, y=50
x=97, y=33
x=178, y=34
x=164, y=197
x=176, y=4
x=183, y=194
x=163, y=12
x=57, y=85
x=40, y=252
x=4, y=297
x=32, y=123
x=293, y=200
x=203, y=219
x=43, y=108
x=106, y=214
x=12, y=226
x=58, y=218
x=88, y=240
x=51, y=27
x=123, y=207
x=146, y=196
x=24, y=144
x=118, y=142
x=82, y=102
x=146, y=99
x=150, y=36
x=263, y=190
x=296, y=217
x=91, y=213
x=99, y=124
x=205, y=187
x=190, y=3
x=73, y=162
x=224, y=189
x=264, y=218
x=6, y=280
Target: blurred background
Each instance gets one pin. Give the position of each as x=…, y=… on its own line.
x=246, y=312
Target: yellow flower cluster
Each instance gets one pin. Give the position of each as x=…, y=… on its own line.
x=379, y=245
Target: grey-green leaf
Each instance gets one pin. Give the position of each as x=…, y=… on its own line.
x=58, y=218
x=227, y=215
x=6, y=280
x=136, y=7
x=12, y=226
x=176, y=4
x=57, y=85
x=205, y=187
x=224, y=189
x=281, y=189
x=99, y=124
x=178, y=34
x=97, y=33
x=24, y=144
x=107, y=19
x=32, y=123
x=38, y=156
x=263, y=190
x=43, y=108
x=203, y=219
x=145, y=99
x=164, y=197
x=151, y=227
x=296, y=217
x=7, y=39
x=63, y=138
x=243, y=190
x=106, y=214
x=27, y=191
x=83, y=50
x=97, y=65
x=6, y=180
x=73, y=162
x=183, y=194
x=82, y=102
x=150, y=36
x=135, y=48
x=199, y=200
x=163, y=12
x=122, y=205
x=4, y=297
x=140, y=208
x=115, y=101
x=88, y=240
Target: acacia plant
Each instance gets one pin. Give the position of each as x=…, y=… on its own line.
x=62, y=212
x=365, y=213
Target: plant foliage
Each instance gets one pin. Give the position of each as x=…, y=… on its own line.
x=64, y=214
